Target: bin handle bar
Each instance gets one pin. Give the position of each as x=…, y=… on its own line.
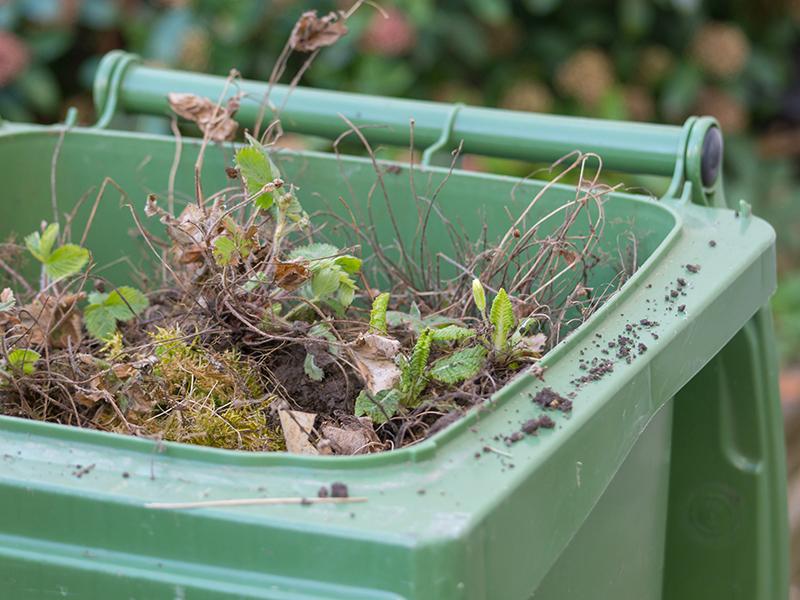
x=123, y=82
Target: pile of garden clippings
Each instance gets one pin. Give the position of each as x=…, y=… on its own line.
x=263, y=336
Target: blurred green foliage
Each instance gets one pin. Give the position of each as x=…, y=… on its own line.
x=653, y=60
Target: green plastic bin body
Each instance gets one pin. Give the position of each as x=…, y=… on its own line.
x=666, y=480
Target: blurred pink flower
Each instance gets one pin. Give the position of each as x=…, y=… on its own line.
x=14, y=57
x=390, y=35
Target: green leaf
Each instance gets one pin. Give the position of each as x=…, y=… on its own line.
x=255, y=281
x=42, y=245
x=502, y=319
x=451, y=333
x=314, y=252
x=255, y=169
x=24, y=360
x=126, y=302
x=65, y=261
x=323, y=330
x=412, y=371
x=346, y=292
x=479, y=295
x=349, y=263
x=377, y=316
x=381, y=408
x=100, y=322
x=224, y=250
x=325, y=282
x=459, y=366
x=311, y=369
x=414, y=312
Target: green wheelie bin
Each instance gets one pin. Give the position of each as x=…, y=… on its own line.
x=666, y=481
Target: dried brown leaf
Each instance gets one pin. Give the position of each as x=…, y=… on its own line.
x=354, y=437
x=49, y=320
x=291, y=275
x=297, y=427
x=214, y=120
x=124, y=370
x=312, y=32
x=374, y=356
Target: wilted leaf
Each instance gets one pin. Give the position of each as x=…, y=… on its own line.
x=124, y=370
x=356, y=437
x=214, y=121
x=51, y=320
x=24, y=360
x=312, y=32
x=7, y=300
x=224, y=250
x=530, y=344
x=459, y=366
x=291, y=275
x=297, y=427
x=66, y=260
x=374, y=356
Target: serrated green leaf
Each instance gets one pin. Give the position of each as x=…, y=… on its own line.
x=459, y=366
x=412, y=371
x=377, y=316
x=41, y=245
x=311, y=369
x=255, y=169
x=479, y=295
x=100, y=323
x=314, y=252
x=66, y=260
x=325, y=282
x=451, y=333
x=24, y=360
x=224, y=250
x=97, y=297
x=126, y=302
x=381, y=408
x=501, y=317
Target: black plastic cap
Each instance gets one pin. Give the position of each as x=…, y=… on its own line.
x=711, y=161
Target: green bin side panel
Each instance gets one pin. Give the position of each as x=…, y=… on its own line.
x=619, y=551
x=728, y=529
